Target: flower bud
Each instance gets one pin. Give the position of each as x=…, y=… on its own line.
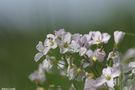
x=118, y=36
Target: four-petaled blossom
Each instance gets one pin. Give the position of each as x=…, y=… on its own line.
x=108, y=76
x=99, y=37
x=50, y=41
x=40, y=47
x=64, y=44
x=118, y=36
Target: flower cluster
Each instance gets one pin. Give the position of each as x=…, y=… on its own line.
x=82, y=57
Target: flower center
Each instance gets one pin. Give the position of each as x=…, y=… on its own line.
x=66, y=45
x=108, y=77
x=94, y=58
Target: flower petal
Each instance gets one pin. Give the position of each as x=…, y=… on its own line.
x=89, y=84
x=40, y=46
x=118, y=36
x=38, y=56
x=100, y=81
x=110, y=83
x=105, y=37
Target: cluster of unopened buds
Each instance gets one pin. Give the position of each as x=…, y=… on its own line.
x=84, y=57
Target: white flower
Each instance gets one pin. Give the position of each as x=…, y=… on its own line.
x=61, y=64
x=71, y=71
x=108, y=75
x=90, y=84
x=47, y=64
x=115, y=56
x=65, y=42
x=89, y=53
x=61, y=67
x=44, y=48
x=118, y=36
x=37, y=76
x=60, y=32
x=88, y=36
x=99, y=55
x=40, y=88
x=76, y=37
x=130, y=54
x=88, y=40
x=99, y=37
x=132, y=64
x=82, y=51
x=85, y=41
x=42, y=51
x=50, y=41
x=74, y=46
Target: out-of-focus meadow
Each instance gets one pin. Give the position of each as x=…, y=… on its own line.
x=25, y=22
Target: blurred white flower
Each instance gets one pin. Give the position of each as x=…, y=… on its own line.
x=37, y=76
x=99, y=37
x=88, y=36
x=47, y=64
x=82, y=41
x=100, y=55
x=40, y=88
x=115, y=56
x=132, y=66
x=71, y=71
x=65, y=42
x=60, y=32
x=61, y=64
x=76, y=37
x=74, y=46
x=40, y=47
x=130, y=54
x=129, y=87
x=50, y=41
x=89, y=53
x=108, y=75
x=82, y=51
x=44, y=48
x=118, y=36
x=90, y=84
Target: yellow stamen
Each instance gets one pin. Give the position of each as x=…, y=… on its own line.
x=94, y=58
x=108, y=77
x=90, y=75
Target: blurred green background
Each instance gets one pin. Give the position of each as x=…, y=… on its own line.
x=24, y=22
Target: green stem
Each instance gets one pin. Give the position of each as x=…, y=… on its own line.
x=130, y=34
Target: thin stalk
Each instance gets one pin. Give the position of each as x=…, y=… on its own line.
x=130, y=34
